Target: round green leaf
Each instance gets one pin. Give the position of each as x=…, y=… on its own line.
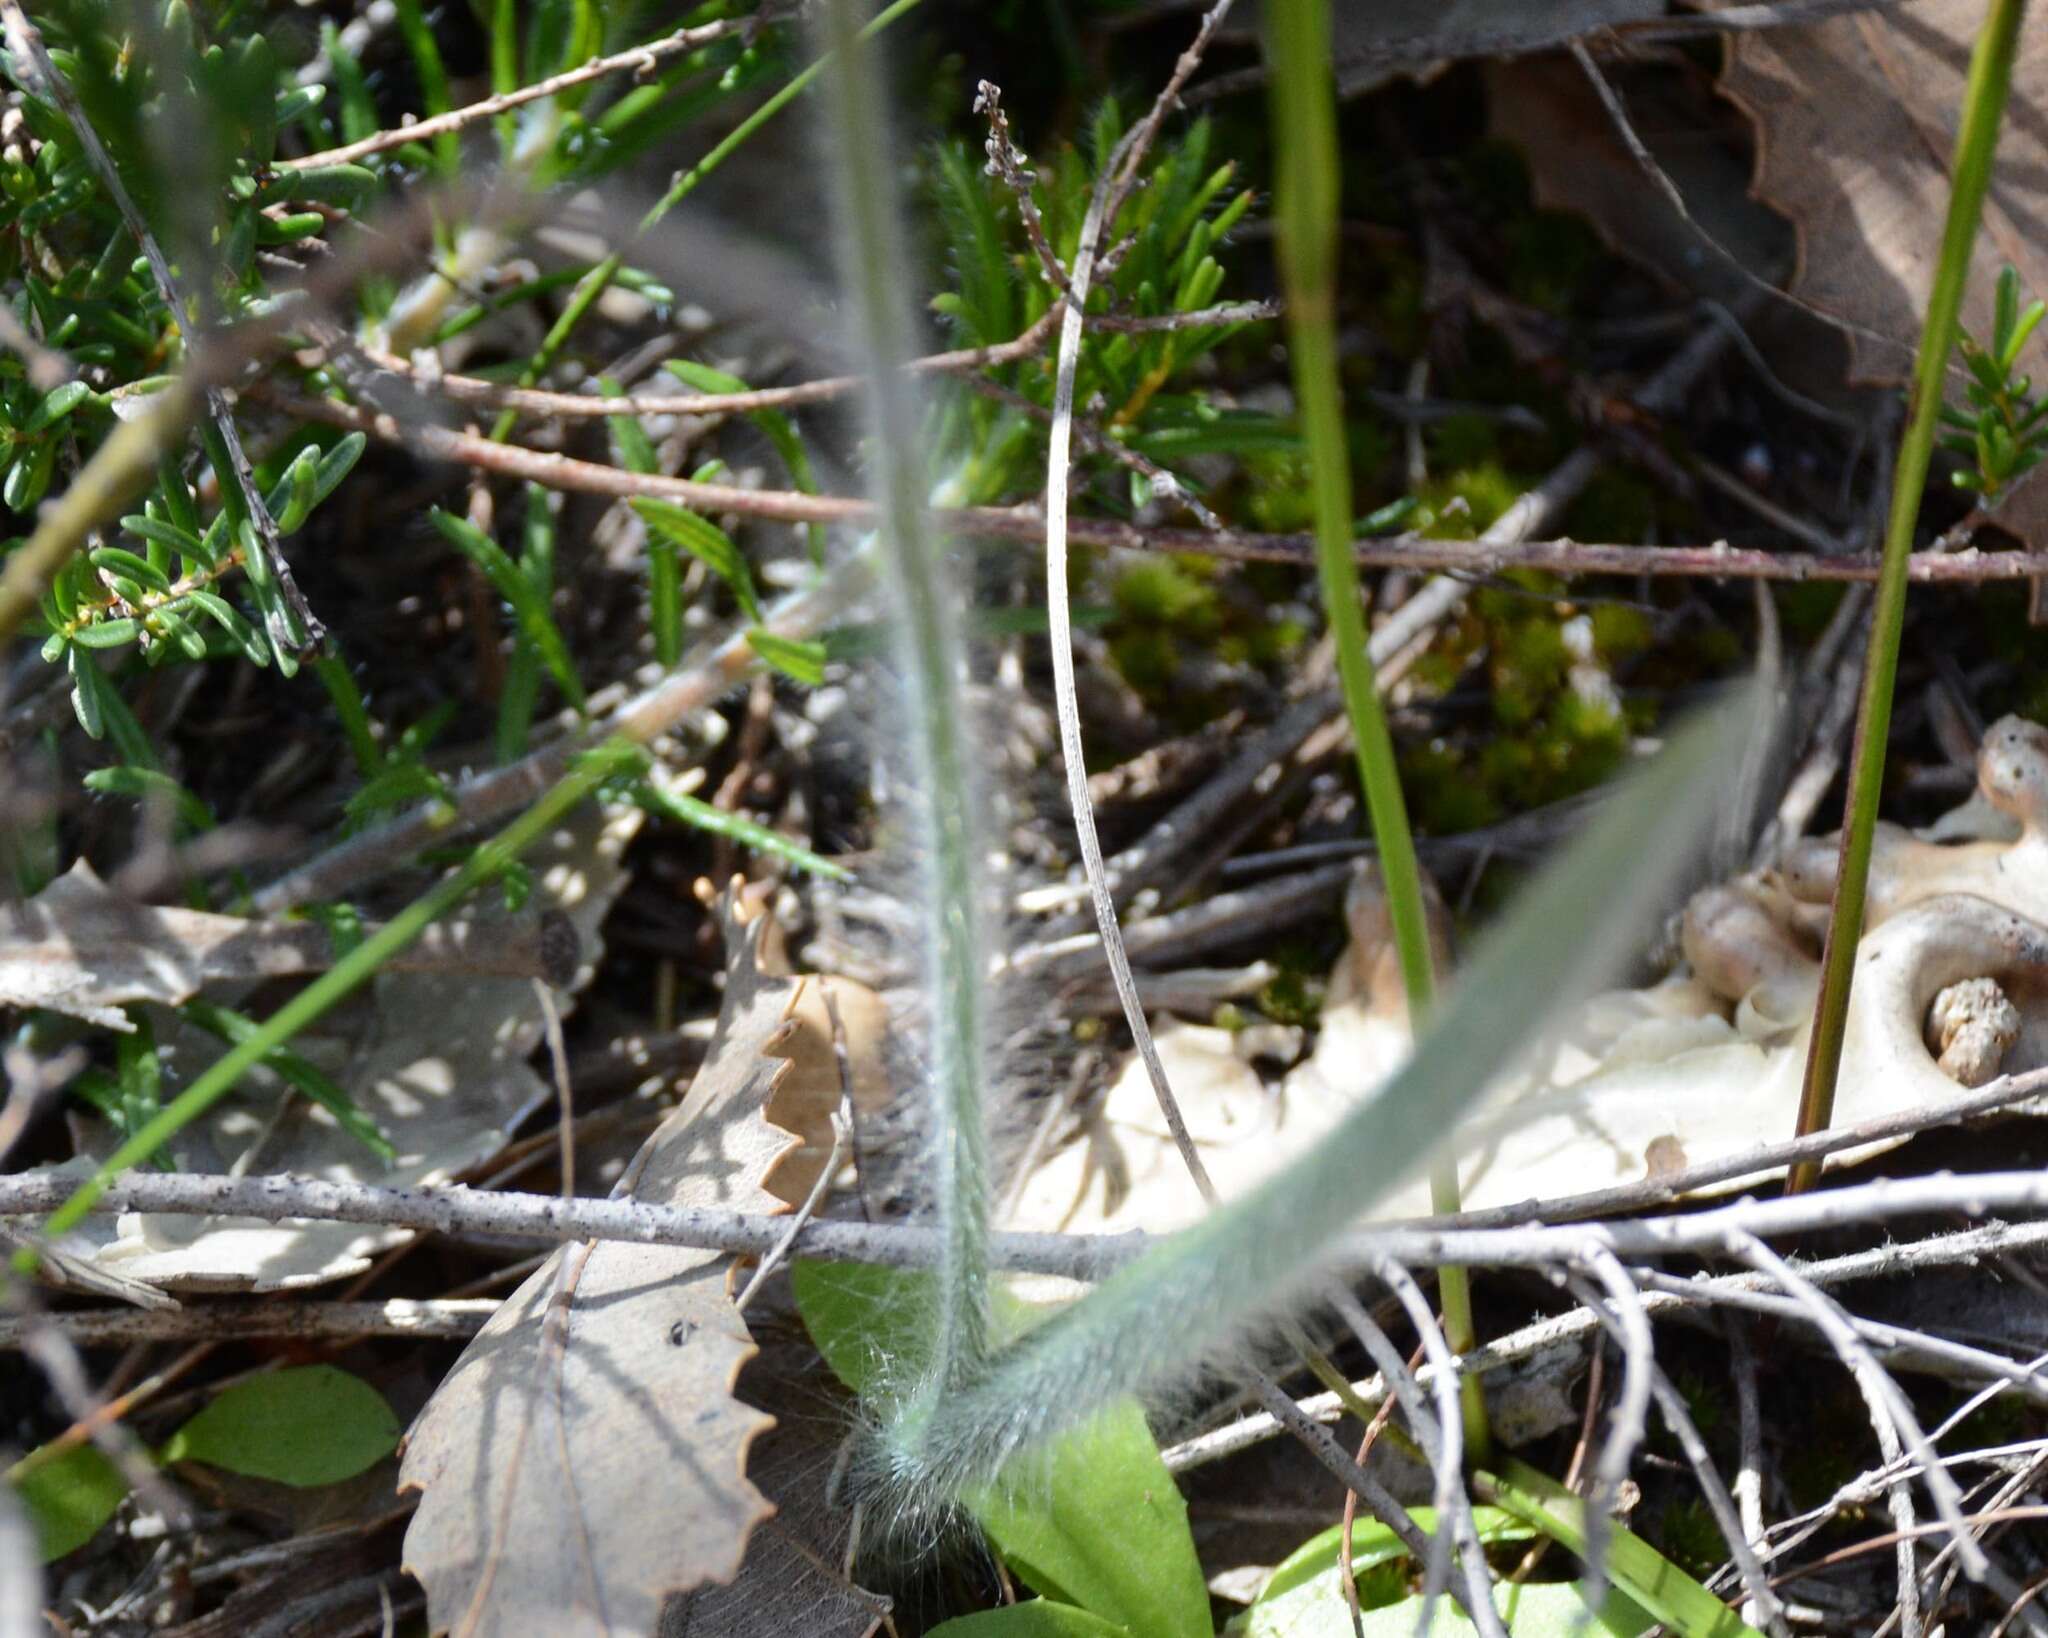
x=309, y=1425
x=68, y=1497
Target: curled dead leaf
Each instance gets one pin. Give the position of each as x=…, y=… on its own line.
x=1856, y=118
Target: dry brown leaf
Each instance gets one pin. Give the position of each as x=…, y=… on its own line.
x=586, y=1459
x=438, y=1060
x=1548, y=109
x=79, y=947
x=1856, y=117
x=1371, y=43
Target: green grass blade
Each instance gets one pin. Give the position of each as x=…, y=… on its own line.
x=1156, y=1321
x=1976, y=146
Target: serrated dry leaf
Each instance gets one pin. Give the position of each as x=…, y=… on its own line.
x=1856, y=118
x=438, y=1060
x=586, y=1459
x=793, y=1579
x=1548, y=109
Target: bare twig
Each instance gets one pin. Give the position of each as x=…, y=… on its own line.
x=1378, y=1500
x=1892, y=1419
x=1564, y=1332
x=470, y=389
x=223, y=1322
x=1007, y=163
x=1073, y=1256
x=640, y=59
x=1503, y=547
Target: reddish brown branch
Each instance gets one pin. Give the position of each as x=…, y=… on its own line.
x=1564, y=557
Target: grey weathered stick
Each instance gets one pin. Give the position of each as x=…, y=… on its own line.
x=222, y=1322
x=1563, y=1331
x=1075, y=1256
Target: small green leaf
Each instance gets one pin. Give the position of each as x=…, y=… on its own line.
x=635, y=449
x=777, y=427
x=117, y=561
x=1097, y=1521
x=1094, y=1520
x=68, y=1496
x=57, y=403
x=1373, y=1544
x=303, y=1426
x=300, y=99
x=149, y=785
x=181, y=540
x=706, y=542
x=301, y=491
x=528, y=606
x=29, y=477
x=224, y=615
x=1544, y=1609
x=1636, y=1568
x=289, y=228
x=88, y=692
x=800, y=662
x=689, y=810
x=337, y=463
x=107, y=633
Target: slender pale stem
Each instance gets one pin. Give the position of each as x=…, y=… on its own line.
x=1305, y=134
x=1976, y=144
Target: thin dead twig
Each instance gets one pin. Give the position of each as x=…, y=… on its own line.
x=1501, y=548
x=1560, y=1332
x=1006, y=163
x=223, y=1322
x=640, y=59
x=1894, y=1423
x=1378, y=1500
x=470, y=389
x=1073, y=1256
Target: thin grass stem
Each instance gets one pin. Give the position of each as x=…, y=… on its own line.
x=1976, y=146
x=1305, y=136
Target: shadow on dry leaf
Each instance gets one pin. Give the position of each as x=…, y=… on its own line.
x=438, y=1060
x=586, y=1459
